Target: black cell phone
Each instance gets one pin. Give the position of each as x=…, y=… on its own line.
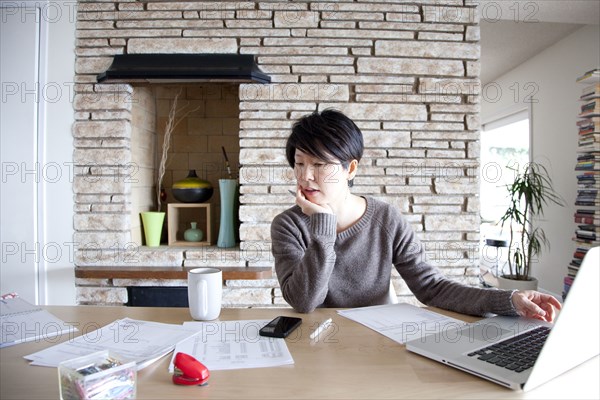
x=280, y=327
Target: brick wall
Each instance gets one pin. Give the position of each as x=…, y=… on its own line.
x=407, y=73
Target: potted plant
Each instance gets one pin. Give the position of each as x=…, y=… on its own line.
x=529, y=193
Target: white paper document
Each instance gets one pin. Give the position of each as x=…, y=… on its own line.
x=141, y=341
x=21, y=321
x=401, y=322
x=222, y=345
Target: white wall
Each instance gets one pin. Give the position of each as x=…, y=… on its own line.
x=57, y=193
x=550, y=76
x=45, y=161
x=19, y=73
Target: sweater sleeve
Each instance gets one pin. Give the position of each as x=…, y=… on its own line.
x=304, y=259
x=432, y=288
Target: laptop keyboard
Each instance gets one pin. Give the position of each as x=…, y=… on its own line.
x=517, y=353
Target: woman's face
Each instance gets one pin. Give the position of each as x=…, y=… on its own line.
x=321, y=182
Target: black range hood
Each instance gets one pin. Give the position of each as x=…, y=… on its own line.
x=174, y=68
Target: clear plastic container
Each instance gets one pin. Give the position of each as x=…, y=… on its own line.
x=100, y=375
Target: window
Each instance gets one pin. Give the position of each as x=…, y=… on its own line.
x=505, y=144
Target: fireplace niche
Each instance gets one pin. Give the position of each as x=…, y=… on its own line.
x=115, y=267
x=206, y=120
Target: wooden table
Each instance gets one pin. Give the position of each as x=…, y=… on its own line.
x=352, y=361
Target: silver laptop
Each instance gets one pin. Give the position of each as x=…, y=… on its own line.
x=570, y=341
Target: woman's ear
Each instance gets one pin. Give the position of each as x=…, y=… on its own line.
x=352, y=169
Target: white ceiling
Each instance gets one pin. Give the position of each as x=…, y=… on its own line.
x=513, y=31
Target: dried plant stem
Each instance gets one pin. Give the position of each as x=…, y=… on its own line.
x=172, y=122
x=162, y=165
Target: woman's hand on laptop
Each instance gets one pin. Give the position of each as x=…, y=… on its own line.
x=532, y=304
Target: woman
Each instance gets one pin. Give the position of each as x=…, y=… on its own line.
x=336, y=249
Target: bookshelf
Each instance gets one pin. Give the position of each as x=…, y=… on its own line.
x=587, y=168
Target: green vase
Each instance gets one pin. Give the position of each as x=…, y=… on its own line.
x=228, y=189
x=153, y=223
x=193, y=234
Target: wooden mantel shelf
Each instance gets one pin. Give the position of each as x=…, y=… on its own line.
x=229, y=273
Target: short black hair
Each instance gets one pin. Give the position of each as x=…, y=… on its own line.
x=324, y=135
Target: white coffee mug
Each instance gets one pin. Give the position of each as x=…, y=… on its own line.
x=205, y=288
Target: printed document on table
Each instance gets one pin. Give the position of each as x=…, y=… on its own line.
x=401, y=322
x=224, y=345
x=141, y=341
x=21, y=321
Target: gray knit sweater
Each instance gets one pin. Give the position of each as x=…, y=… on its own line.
x=318, y=268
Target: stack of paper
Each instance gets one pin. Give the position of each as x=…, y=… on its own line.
x=141, y=341
x=21, y=321
x=232, y=345
x=401, y=322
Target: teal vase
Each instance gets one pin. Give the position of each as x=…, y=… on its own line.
x=228, y=189
x=193, y=234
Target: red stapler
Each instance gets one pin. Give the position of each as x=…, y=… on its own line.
x=189, y=371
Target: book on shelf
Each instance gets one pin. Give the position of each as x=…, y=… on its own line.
x=589, y=142
x=583, y=245
x=567, y=287
x=589, y=129
x=567, y=283
x=588, y=125
x=591, y=74
x=587, y=191
x=590, y=92
x=587, y=235
x=582, y=218
x=579, y=254
x=588, y=178
x=586, y=241
x=594, y=112
x=589, y=228
x=587, y=203
x=587, y=195
x=591, y=105
x=575, y=263
x=587, y=121
x=595, y=147
x=581, y=213
x=587, y=214
x=591, y=136
x=588, y=162
x=587, y=220
x=588, y=157
x=589, y=181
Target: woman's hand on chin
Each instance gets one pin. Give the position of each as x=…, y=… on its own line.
x=309, y=208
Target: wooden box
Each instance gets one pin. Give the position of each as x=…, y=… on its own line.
x=179, y=218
